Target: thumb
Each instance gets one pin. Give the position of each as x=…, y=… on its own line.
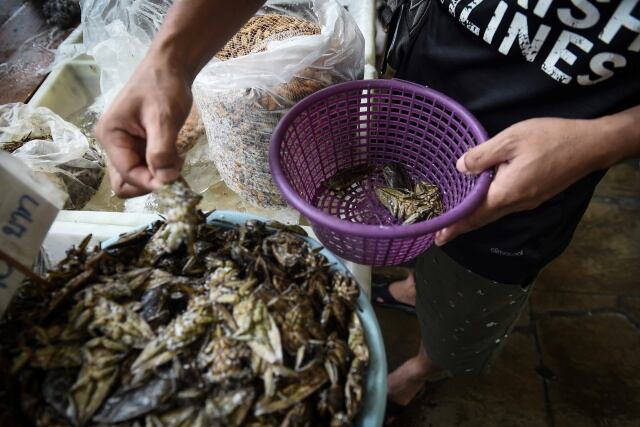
x=483, y=156
x=161, y=153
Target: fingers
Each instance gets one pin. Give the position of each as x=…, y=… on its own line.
x=140, y=128
x=121, y=188
x=491, y=209
x=127, y=158
x=486, y=155
x=141, y=160
x=161, y=155
x=497, y=151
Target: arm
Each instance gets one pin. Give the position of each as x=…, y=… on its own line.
x=538, y=158
x=138, y=131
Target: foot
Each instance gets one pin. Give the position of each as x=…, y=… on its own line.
x=404, y=290
x=407, y=381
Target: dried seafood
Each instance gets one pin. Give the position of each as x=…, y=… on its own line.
x=422, y=203
x=186, y=324
x=406, y=203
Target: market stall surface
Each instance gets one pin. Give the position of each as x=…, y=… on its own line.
x=573, y=358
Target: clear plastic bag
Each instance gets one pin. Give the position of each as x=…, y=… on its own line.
x=241, y=99
x=54, y=148
x=117, y=33
x=70, y=48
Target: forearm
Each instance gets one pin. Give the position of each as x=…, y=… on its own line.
x=618, y=137
x=194, y=30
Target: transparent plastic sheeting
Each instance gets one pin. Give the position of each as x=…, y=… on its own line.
x=54, y=149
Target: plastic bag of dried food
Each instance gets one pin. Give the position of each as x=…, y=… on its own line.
x=289, y=50
x=53, y=148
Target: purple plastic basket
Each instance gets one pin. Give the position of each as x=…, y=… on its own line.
x=374, y=122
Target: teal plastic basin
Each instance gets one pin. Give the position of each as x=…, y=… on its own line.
x=375, y=398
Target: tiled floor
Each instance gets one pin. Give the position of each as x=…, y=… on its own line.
x=574, y=358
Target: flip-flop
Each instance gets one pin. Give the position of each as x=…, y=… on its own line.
x=381, y=296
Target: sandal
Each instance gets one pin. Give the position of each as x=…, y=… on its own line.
x=381, y=296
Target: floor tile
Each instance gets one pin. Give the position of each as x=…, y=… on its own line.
x=604, y=256
x=621, y=180
x=597, y=369
x=550, y=301
x=511, y=395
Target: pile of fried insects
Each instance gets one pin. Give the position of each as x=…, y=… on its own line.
x=186, y=324
x=406, y=201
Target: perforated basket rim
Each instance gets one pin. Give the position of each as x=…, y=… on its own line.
x=319, y=218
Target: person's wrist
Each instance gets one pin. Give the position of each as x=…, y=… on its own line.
x=165, y=55
x=607, y=140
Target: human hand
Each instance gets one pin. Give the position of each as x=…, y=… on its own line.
x=138, y=131
x=534, y=160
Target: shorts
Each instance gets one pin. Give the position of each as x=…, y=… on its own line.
x=464, y=318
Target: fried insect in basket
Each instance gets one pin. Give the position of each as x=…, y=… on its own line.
x=406, y=202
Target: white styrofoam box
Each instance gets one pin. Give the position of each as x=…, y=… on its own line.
x=70, y=88
x=70, y=227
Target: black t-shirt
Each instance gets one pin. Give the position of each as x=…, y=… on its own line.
x=510, y=60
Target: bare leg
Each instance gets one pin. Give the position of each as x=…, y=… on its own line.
x=404, y=290
x=409, y=379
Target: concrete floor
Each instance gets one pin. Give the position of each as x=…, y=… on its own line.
x=27, y=47
x=574, y=358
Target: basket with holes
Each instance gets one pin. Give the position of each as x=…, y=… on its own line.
x=373, y=123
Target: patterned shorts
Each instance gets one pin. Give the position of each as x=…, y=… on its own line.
x=464, y=318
